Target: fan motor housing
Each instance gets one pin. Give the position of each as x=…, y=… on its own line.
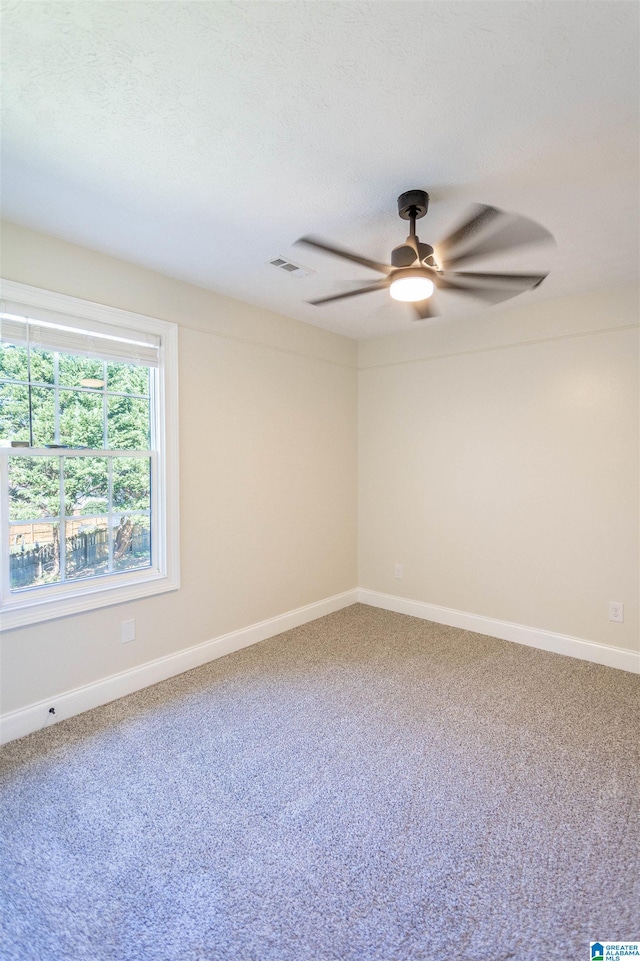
x=404, y=255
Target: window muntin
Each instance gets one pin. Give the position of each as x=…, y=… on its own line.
x=76, y=516
x=88, y=402
x=85, y=495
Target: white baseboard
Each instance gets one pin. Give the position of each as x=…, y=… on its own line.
x=16, y=724
x=617, y=657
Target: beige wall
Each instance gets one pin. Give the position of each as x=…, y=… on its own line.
x=498, y=462
x=267, y=472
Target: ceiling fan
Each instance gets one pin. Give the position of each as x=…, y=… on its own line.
x=416, y=271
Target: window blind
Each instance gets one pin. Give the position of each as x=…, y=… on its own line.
x=49, y=330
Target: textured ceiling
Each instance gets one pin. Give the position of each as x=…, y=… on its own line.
x=201, y=139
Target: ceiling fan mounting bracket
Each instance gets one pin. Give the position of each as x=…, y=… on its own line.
x=413, y=204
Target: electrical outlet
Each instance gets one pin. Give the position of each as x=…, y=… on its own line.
x=128, y=631
x=616, y=612
x=398, y=570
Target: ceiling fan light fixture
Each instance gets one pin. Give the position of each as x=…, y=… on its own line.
x=410, y=286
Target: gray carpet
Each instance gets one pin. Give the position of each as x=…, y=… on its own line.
x=368, y=787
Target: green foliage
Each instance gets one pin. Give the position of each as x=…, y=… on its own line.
x=42, y=366
x=128, y=379
x=127, y=423
x=14, y=411
x=13, y=362
x=131, y=483
x=43, y=415
x=86, y=485
x=81, y=418
x=34, y=487
x=73, y=370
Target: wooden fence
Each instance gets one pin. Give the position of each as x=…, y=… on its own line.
x=85, y=551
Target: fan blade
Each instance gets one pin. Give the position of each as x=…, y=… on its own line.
x=425, y=309
x=511, y=280
x=350, y=293
x=345, y=254
x=490, y=295
x=479, y=219
x=503, y=232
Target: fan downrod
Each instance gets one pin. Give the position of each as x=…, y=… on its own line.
x=413, y=204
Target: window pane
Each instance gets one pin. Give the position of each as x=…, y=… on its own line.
x=131, y=542
x=43, y=404
x=14, y=412
x=34, y=487
x=128, y=423
x=81, y=418
x=86, y=485
x=72, y=371
x=13, y=362
x=34, y=554
x=128, y=378
x=87, y=547
x=41, y=366
x=131, y=484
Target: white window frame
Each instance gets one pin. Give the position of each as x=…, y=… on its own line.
x=41, y=604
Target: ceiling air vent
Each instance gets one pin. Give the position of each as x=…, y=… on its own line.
x=297, y=270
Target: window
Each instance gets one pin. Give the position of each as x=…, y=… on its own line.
x=88, y=455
